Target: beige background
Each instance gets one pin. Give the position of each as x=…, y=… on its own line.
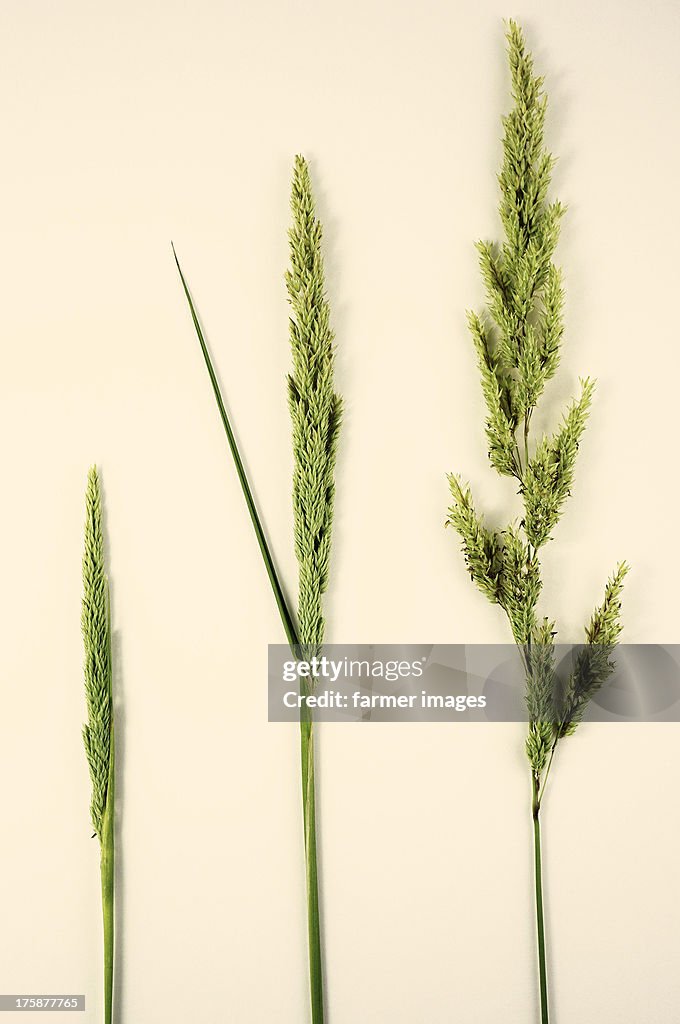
x=127, y=125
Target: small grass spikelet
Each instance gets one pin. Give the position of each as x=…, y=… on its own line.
x=482, y=548
x=549, y=476
x=594, y=662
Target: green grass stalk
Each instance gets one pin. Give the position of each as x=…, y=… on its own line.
x=538, y=893
x=315, y=413
x=98, y=731
x=518, y=349
x=316, y=976
x=108, y=871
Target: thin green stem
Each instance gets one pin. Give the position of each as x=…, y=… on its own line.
x=546, y=773
x=527, y=419
x=107, y=866
x=313, y=913
x=281, y=603
x=538, y=881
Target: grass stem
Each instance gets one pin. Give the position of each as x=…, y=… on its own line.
x=313, y=912
x=107, y=863
x=540, y=921
x=546, y=772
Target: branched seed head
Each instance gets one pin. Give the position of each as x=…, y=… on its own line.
x=520, y=352
x=518, y=349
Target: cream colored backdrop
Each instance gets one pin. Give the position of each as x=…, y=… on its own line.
x=129, y=124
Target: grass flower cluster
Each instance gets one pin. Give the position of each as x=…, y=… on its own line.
x=315, y=412
x=98, y=731
x=518, y=348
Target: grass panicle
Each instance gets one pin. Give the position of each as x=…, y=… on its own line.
x=315, y=409
x=96, y=628
x=517, y=343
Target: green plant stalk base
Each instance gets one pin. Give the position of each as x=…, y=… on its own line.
x=540, y=922
x=313, y=921
x=107, y=865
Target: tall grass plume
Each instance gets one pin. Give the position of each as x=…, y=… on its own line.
x=518, y=346
x=98, y=732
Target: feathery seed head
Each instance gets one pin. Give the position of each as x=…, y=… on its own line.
x=518, y=347
x=96, y=629
x=314, y=407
